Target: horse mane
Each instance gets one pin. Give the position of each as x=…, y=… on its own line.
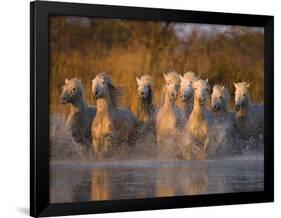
x=162, y=96
x=147, y=78
x=174, y=76
x=116, y=94
x=190, y=76
x=225, y=90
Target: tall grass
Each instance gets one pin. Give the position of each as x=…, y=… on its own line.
x=84, y=47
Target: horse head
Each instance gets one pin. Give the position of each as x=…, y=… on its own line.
x=242, y=96
x=186, y=88
x=220, y=98
x=72, y=91
x=172, y=85
x=144, y=86
x=201, y=91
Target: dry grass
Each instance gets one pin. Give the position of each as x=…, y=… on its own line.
x=126, y=49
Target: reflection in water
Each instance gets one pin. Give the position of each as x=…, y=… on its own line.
x=186, y=181
x=76, y=182
x=99, y=186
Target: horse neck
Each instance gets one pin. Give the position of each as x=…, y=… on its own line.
x=188, y=105
x=223, y=111
x=198, y=111
x=168, y=103
x=104, y=105
x=79, y=105
x=145, y=108
x=244, y=112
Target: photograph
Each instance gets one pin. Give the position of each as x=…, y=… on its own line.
x=148, y=109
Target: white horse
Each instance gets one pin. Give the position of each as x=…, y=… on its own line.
x=249, y=117
x=79, y=119
x=112, y=125
x=168, y=117
x=146, y=112
x=199, y=123
x=224, y=118
x=146, y=109
x=187, y=91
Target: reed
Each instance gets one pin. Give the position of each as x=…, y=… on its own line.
x=130, y=49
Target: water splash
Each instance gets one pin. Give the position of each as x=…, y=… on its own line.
x=222, y=145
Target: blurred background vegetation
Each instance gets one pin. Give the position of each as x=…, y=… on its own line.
x=83, y=47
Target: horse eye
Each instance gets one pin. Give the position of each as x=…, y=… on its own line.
x=73, y=89
x=244, y=95
x=103, y=82
x=220, y=97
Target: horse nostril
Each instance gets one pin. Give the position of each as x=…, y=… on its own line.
x=62, y=100
x=142, y=93
x=96, y=92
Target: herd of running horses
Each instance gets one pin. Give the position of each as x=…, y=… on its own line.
x=206, y=126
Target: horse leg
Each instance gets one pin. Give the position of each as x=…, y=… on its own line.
x=132, y=138
x=96, y=151
x=108, y=144
x=206, y=145
x=86, y=150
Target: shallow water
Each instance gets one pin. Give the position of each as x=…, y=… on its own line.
x=128, y=179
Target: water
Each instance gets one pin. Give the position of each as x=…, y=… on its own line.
x=142, y=172
x=73, y=181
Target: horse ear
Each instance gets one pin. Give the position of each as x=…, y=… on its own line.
x=207, y=80
x=181, y=77
x=235, y=85
x=138, y=80
x=66, y=80
x=165, y=76
x=248, y=85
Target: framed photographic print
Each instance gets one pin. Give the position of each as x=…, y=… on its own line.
x=141, y=109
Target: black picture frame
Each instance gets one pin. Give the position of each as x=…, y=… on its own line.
x=39, y=108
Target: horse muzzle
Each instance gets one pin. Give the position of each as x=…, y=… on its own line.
x=215, y=108
x=142, y=95
x=174, y=96
x=95, y=94
x=63, y=101
x=185, y=97
x=201, y=101
x=238, y=107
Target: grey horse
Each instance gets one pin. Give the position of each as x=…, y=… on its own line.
x=80, y=118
